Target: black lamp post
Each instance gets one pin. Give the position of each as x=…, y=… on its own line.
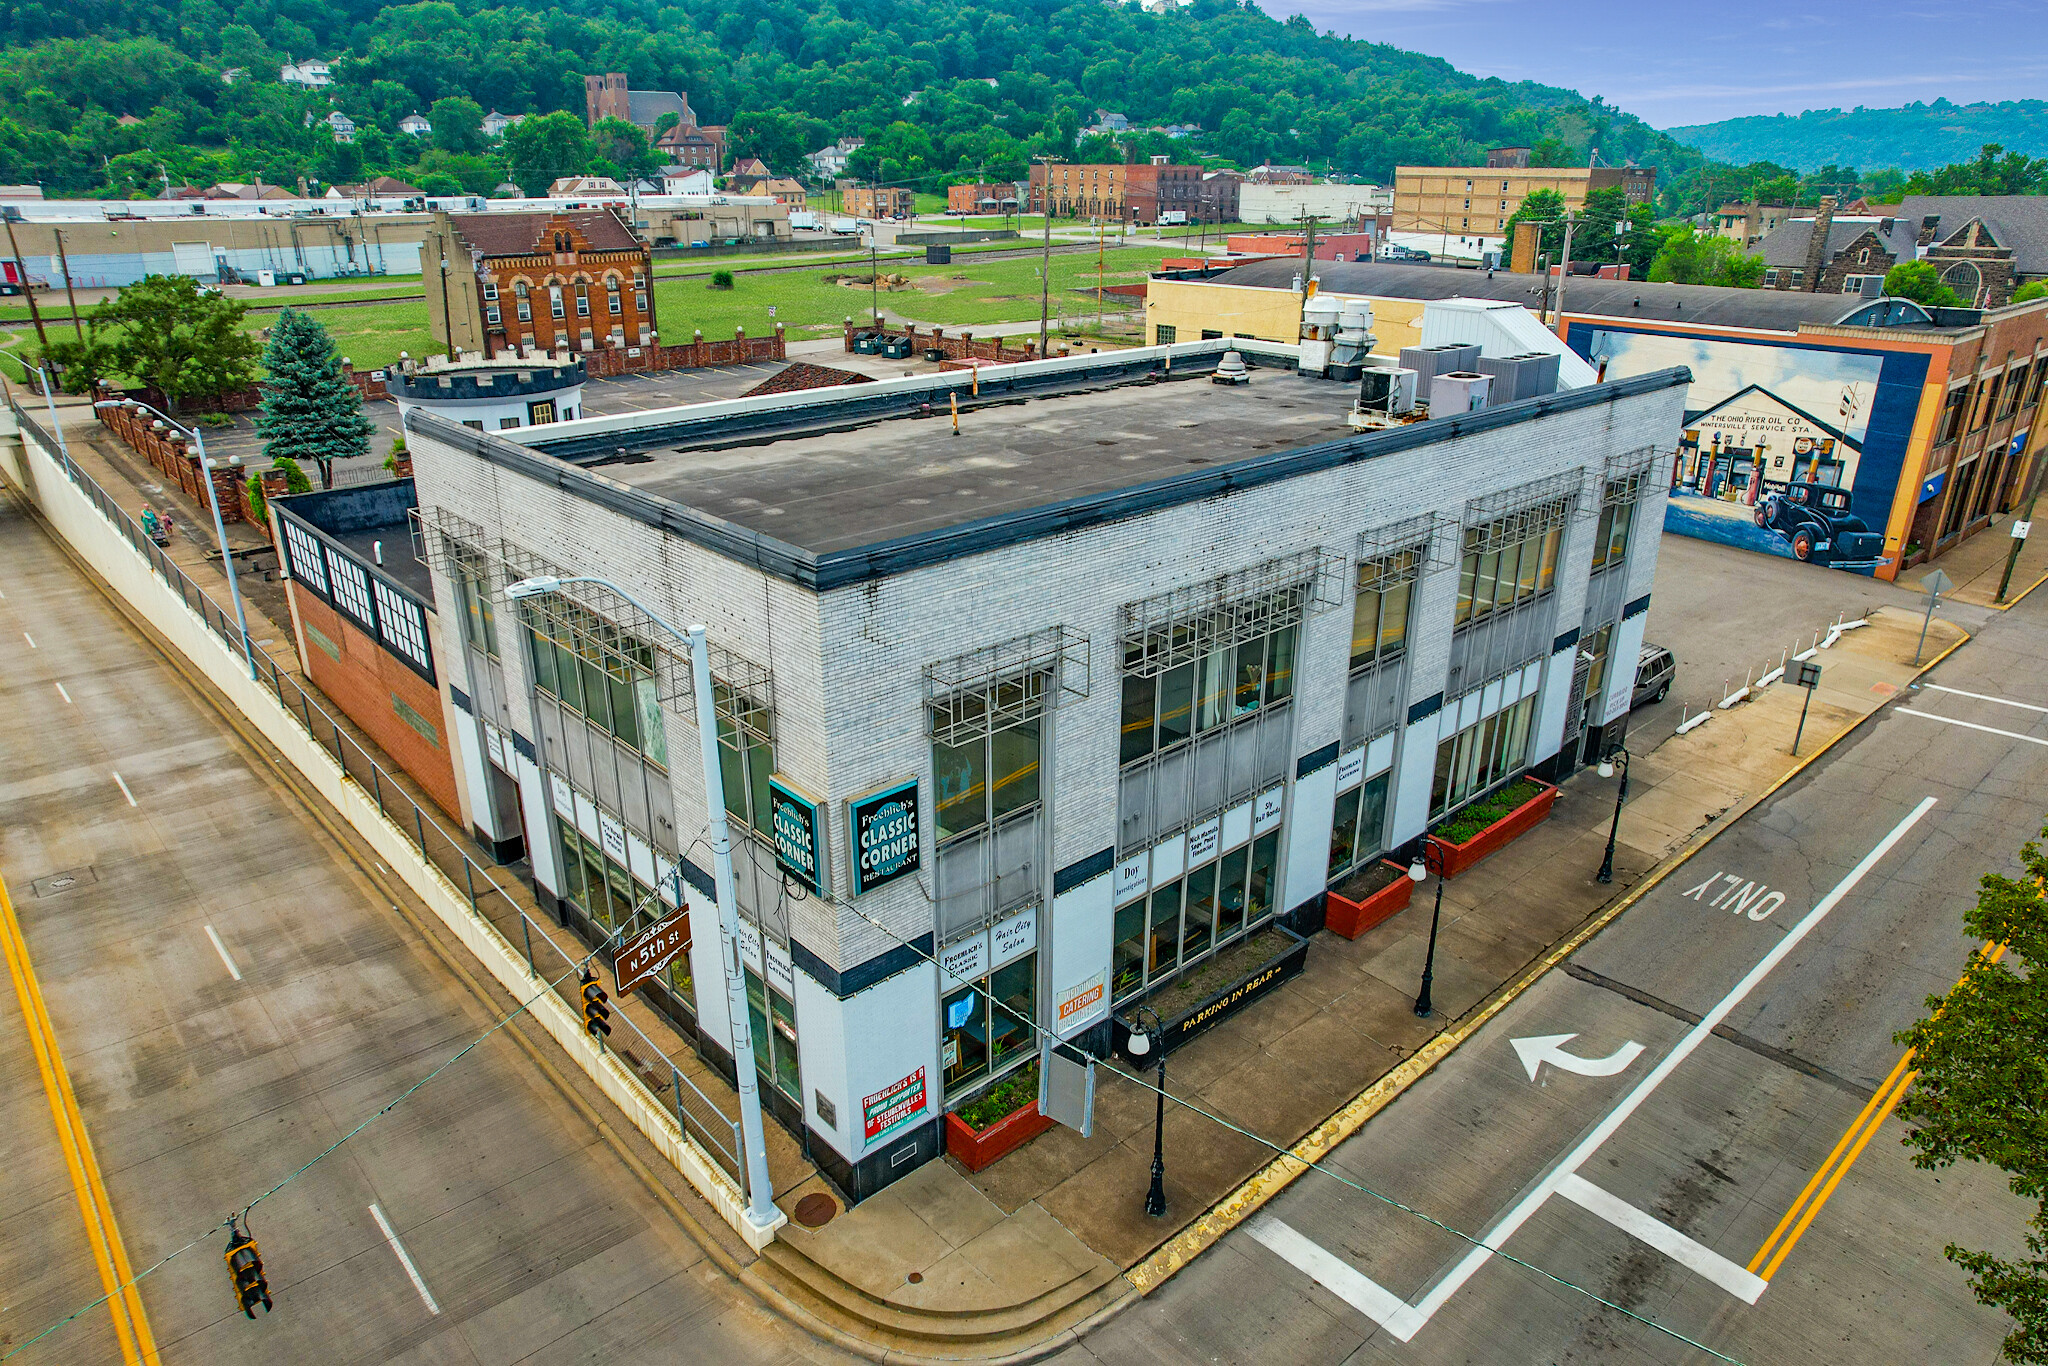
x=1138, y=1045
x=1429, y=859
x=1606, y=770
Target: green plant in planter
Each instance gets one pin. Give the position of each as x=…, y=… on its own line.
x=1481, y=814
x=1005, y=1098
x=397, y=449
x=257, y=507
x=295, y=479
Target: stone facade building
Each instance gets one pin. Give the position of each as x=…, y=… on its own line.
x=1984, y=248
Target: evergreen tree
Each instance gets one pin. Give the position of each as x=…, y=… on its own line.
x=310, y=412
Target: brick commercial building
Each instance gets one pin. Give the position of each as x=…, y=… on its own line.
x=572, y=280
x=980, y=198
x=1069, y=732
x=1134, y=193
x=1928, y=422
x=363, y=620
x=1982, y=248
x=1480, y=199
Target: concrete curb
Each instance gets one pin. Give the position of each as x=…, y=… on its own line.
x=1227, y=1213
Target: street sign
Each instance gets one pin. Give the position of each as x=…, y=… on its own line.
x=2020, y=530
x=648, y=952
x=1937, y=583
x=1805, y=674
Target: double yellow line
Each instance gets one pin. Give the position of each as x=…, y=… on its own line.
x=1847, y=1149
x=124, y=1300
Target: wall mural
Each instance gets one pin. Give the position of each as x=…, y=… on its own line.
x=1787, y=449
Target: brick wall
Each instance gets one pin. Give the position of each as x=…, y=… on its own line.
x=170, y=454
x=367, y=683
x=610, y=361
x=962, y=347
x=249, y=397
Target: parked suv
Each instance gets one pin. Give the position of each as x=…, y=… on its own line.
x=1816, y=519
x=1655, y=668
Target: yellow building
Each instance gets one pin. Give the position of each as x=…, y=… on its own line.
x=1187, y=310
x=1479, y=199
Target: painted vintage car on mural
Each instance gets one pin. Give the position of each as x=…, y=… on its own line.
x=1817, y=524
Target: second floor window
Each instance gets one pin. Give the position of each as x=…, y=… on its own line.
x=612, y=686
x=611, y=289
x=555, y=301
x=525, y=303
x=1161, y=710
x=582, y=301
x=1386, y=598
x=986, y=753
x=1509, y=560
x=746, y=754
x=1610, y=534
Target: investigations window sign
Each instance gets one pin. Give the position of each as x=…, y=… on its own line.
x=799, y=839
x=883, y=826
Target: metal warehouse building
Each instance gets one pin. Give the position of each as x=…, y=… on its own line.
x=1064, y=696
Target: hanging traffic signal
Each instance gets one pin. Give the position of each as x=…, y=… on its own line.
x=245, y=1266
x=596, y=1014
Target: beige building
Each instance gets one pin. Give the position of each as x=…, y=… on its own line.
x=1747, y=224
x=1479, y=199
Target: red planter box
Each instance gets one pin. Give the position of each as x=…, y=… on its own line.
x=977, y=1149
x=1459, y=857
x=1351, y=918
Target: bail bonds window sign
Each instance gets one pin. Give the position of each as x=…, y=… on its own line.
x=799, y=838
x=884, y=829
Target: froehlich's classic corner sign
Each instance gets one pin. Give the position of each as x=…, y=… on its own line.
x=799, y=836
x=883, y=835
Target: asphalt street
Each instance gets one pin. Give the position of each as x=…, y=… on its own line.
x=1678, y=1083
x=232, y=996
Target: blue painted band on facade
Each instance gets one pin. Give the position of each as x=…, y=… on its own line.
x=1083, y=870
x=1565, y=641
x=460, y=699
x=1315, y=759
x=1636, y=608
x=523, y=747
x=861, y=976
x=1426, y=708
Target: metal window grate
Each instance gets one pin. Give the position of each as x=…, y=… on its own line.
x=1624, y=476
x=1055, y=654
x=1180, y=626
x=1539, y=504
x=1429, y=533
x=303, y=559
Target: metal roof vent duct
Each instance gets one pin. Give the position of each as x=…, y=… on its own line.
x=1231, y=370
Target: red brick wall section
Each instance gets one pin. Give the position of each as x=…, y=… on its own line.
x=362, y=682
x=691, y=355
x=167, y=452
x=962, y=347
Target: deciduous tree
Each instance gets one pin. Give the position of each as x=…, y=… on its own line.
x=186, y=341
x=1920, y=282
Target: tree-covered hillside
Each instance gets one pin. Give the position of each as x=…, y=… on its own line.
x=1918, y=137
x=787, y=75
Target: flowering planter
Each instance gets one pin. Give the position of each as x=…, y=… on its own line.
x=977, y=1148
x=1458, y=857
x=1351, y=918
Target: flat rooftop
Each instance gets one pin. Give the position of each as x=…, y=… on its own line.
x=834, y=484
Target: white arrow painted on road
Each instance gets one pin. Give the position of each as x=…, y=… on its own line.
x=1550, y=1048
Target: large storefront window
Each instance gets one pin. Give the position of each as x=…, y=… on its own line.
x=1509, y=560
x=1176, y=924
x=986, y=758
x=987, y=1024
x=1358, y=832
x=774, y=1020
x=1480, y=756
x=607, y=676
x=616, y=901
x=1212, y=690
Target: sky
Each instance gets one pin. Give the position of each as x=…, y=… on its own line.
x=1674, y=64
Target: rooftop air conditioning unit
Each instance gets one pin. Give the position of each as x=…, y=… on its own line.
x=1386, y=390
x=1458, y=391
x=1430, y=361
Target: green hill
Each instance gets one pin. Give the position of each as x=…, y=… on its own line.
x=1918, y=137
x=786, y=75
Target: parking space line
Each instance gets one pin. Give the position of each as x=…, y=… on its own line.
x=1337, y=1276
x=1743, y=1285
x=30, y=639
x=1986, y=697
x=65, y=695
x=222, y=950
x=1972, y=725
x=405, y=1260
x=118, y=782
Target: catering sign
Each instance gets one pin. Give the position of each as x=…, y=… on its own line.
x=883, y=826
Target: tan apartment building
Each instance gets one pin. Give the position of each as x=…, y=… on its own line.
x=1138, y=193
x=1480, y=199
x=863, y=201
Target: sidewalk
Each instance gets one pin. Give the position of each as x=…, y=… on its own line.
x=1978, y=563
x=1020, y=1257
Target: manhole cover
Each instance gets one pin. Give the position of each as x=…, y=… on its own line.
x=816, y=1211
x=56, y=883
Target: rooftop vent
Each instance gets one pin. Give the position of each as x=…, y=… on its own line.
x=1231, y=370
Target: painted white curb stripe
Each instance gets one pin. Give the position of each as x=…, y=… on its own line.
x=1985, y=697
x=1972, y=725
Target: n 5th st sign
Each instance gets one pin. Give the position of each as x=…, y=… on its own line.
x=648, y=952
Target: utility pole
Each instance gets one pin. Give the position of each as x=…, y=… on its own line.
x=1565, y=270
x=65, y=262
x=1045, y=256
x=2012, y=556
x=28, y=290
x=1308, y=267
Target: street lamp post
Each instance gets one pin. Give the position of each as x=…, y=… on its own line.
x=220, y=531
x=1138, y=1045
x=1606, y=770
x=1429, y=859
x=761, y=1211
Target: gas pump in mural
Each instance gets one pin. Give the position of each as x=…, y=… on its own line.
x=1778, y=453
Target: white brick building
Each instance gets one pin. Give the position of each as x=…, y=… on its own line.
x=1105, y=643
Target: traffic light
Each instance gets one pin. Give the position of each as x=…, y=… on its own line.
x=597, y=1016
x=245, y=1266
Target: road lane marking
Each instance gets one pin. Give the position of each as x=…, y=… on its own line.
x=1743, y=1285
x=65, y=695
x=1972, y=725
x=30, y=639
x=1548, y=1048
x=1868, y=1122
x=110, y=1254
x=405, y=1260
x=1337, y=1276
x=222, y=950
x=1986, y=697
x=1489, y=1243
x=124, y=790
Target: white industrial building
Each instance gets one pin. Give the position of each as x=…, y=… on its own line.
x=1066, y=701
x=1332, y=204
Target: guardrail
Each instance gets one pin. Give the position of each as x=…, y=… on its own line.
x=699, y=1118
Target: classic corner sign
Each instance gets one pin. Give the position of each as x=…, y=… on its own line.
x=799, y=839
x=883, y=826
